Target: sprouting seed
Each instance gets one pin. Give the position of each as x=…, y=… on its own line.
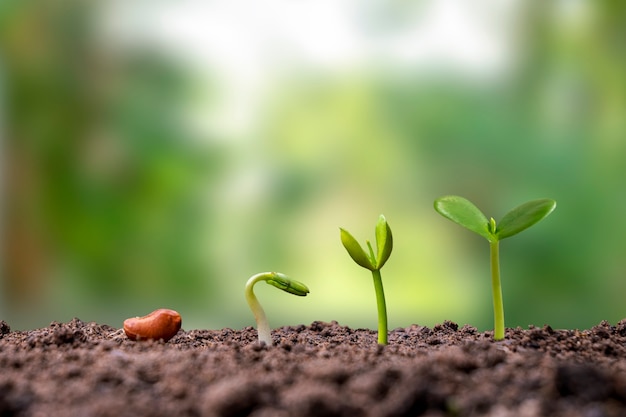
x=275, y=279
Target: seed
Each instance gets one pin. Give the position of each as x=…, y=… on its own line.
x=160, y=324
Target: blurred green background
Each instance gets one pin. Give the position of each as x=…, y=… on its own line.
x=157, y=154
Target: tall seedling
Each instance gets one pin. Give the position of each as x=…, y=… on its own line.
x=466, y=214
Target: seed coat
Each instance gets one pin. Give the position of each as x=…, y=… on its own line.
x=160, y=324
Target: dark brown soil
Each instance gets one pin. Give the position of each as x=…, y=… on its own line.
x=86, y=369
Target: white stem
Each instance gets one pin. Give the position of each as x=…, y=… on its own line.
x=263, y=326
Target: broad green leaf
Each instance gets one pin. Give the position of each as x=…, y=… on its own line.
x=284, y=283
x=524, y=216
x=464, y=213
x=384, y=241
x=355, y=250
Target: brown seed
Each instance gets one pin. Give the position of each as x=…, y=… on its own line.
x=160, y=324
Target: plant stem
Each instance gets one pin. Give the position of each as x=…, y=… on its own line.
x=263, y=326
x=496, y=288
x=382, y=307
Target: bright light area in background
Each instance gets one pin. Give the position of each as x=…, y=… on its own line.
x=247, y=49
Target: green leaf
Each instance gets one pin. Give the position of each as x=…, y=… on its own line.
x=384, y=241
x=464, y=213
x=355, y=250
x=524, y=216
x=284, y=283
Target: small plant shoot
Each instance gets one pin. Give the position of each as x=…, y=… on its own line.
x=373, y=261
x=466, y=214
x=275, y=279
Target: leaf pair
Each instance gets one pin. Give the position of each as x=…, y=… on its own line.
x=466, y=214
x=384, y=245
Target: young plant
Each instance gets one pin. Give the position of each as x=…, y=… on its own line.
x=466, y=214
x=374, y=262
x=277, y=280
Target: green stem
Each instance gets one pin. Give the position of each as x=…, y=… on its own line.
x=263, y=326
x=496, y=288
x=382, y=308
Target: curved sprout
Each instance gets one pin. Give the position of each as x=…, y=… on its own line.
x=275, y=279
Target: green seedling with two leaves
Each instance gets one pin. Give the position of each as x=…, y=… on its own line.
x=373, y=261
x=466, y=214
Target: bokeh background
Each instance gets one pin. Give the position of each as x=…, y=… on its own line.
x=158, y=153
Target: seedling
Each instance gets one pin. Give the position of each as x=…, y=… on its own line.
x=466, y=214
x=277, y=280
x=373, y=262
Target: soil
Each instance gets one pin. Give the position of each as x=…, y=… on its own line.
x=87, y=369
